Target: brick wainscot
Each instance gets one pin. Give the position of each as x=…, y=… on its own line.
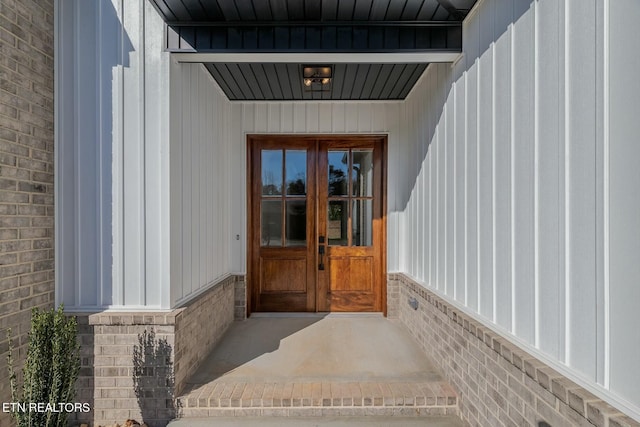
x=498, y=383
x=134, y=364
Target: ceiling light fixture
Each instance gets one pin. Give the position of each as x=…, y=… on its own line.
x=316, y=77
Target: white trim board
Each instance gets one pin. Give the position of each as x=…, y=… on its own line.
x=376, y=58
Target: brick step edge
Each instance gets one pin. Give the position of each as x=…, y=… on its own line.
x=342, y=402
x=301, y=395
x=400, y=411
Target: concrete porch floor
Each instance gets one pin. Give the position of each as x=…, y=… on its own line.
x=345, y=365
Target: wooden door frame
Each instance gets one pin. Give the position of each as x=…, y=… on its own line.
x=251, y=140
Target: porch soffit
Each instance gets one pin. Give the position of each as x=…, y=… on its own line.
x=417, y=29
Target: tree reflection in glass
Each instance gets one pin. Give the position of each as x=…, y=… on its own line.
x=338, y=173
x=296, y=172
x=271, y=172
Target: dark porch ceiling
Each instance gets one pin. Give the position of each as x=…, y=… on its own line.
x=283, y=82
x=314, y=26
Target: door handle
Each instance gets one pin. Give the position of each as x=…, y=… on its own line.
x=321, y=252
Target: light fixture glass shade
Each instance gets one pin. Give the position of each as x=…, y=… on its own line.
x=316, y=77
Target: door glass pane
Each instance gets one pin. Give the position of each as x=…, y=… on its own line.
x=271, y=223
x=296, y=172
x=362, y=173
x=296, y=223
x=271, y=172
x=338, y=173
x=337, y=220
x=362, y=222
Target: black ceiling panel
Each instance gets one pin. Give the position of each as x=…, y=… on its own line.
x=358, y=84
x=330, y=10
x=311, y=10
x=345, y=9
x=318, y=39
x=246, y=10
x=164, y=10
x=412, y=79
x=379, y=10
x=360, y=12
x=427, y=11
x=392, y=81
x=279, y=10
x=395, y=9
x=228, y=8
x=370, y=80
x=295, y=80
x=411, y=9
x=296, y=10
x=283, y=82
x=180, y=11
x=263, y=11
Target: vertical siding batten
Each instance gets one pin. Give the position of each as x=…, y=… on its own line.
x=581, y=212
x=459, y=175
x=205, y=188
x=601, y=137
x=512, y=194
x=77, y=184
x=465, y=185
x=485, y=161
x=427, y=127
x=449, y=142
x=102, y=193
x=414, y=164
x=523, y=184
x=606, y=196
x=143, y=223
x=501, y=163
x=536, y=174
x=175, y=183
x=624, y=200
x=472, y=108
x=187, y=172
x=562, y=182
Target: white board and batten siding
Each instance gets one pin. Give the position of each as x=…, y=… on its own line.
x=111, y=156
x=142, y=166
x=203, y=181
x=524, y=197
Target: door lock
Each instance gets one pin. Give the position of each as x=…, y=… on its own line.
x=321, y=252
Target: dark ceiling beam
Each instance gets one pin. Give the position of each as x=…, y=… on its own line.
x=322, y=37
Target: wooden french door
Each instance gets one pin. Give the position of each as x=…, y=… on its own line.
x=316, y=223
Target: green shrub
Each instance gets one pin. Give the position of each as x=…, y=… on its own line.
x=50, y=371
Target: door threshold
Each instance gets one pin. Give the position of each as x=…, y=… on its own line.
x=314, y=315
